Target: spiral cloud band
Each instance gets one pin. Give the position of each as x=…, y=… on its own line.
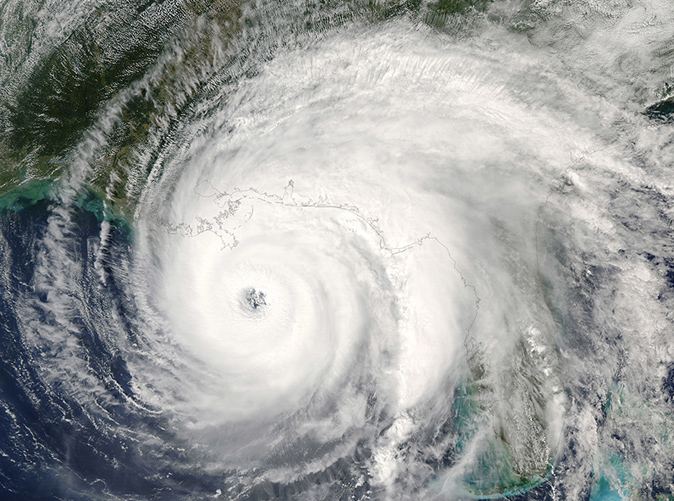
x=373, y=261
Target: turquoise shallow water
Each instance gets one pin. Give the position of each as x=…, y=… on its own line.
x=602, y=489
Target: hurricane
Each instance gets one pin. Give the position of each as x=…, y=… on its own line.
x=319, y=250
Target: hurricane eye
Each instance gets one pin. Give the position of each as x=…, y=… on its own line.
x=255, y=299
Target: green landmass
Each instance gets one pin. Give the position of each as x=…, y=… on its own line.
x=62, y=98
